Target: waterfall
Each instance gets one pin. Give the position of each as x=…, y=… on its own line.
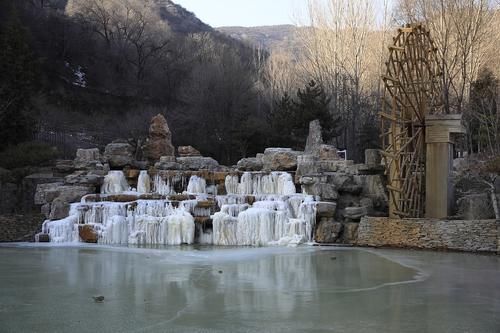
x=114, y=183
x=197, y=185
x=260, y=210
x=144, y=182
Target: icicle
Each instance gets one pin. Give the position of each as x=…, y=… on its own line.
x=197, y=185
x=224, y=229
x=160, y=187
x=231, y=183
x=114, y=183
x=144, y=182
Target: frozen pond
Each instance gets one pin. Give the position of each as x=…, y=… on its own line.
x=50, y=289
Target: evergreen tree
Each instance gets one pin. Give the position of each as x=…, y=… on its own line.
x=313, y=103
x=17, y=78
x=281, y=120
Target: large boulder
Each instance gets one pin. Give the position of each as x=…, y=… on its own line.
x=314, y=139
x=47, y=193
x=250, y=164
x=327, y=152
x=159, y=142
x=86, y=178
x=197, y=163
x=328, y=231
x=88, y=158
x=119, y=154
x=476, y=207
x=168, y=163
x=88, y=234
x=188, y=151
x=59, y=209
x=280, y=159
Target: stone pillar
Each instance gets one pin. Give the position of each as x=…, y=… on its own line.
x=439, y=138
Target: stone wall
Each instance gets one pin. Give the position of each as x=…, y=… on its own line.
x=20, y=228
x=458, y=235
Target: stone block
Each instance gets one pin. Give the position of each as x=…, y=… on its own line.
x=326, y=209
x=250, y=164
x=59, y=209
x=328, y=231
x=476, y=207
x=119, y=155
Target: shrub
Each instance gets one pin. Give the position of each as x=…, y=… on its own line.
x=27, y=154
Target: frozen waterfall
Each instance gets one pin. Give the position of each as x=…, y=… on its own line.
x=260, y=209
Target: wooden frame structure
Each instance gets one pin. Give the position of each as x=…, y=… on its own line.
x=413, y=90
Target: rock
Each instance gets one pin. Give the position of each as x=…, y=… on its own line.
x=372, y=157
x=314, y=139
x=65, y=166
x=350, y=233
x=188, y=151
x=46, y=193
x=325, y=191
x=328, y=231
x=476, y=207
x=42, y=238
x=307, y=181
x=327, y=152
x=250, y=164
x=87, y=233
x=119, y=155
x=166, y=164
x=280, y=159
x=197, y=163
x=87, y=158
x=159, y=142
x=306, y=165
x=8, y=198
x=29, y=189
x=59, y=209
x=85, y=178
x=326, y=209
x=355, y=213
x=45, y=210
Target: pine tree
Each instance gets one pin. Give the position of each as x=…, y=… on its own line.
x=313, y=103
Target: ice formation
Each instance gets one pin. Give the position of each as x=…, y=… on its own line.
x=259, y=183
x=144, y=182
x=260, y=209
x=197, y=185
x=114, y=183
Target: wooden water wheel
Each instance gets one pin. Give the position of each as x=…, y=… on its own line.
x=413, y=89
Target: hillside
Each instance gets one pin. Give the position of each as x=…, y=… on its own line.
x=82, y=65
x=277, y=37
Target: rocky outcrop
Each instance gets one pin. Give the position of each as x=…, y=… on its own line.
x=314, y=139
x=59, y=209
x=197, y=163
x=476, y=207
x=88, y=159
x=250, y=164
x=328, y=231
x=119, y=154
x=159, y=142
x=47, y=193
x=168, y=163
x=188, y=151
x=280, y=159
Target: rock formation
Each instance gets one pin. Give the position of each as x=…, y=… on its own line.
x=159, y=142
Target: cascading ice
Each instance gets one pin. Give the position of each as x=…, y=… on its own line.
x=114, y=183
x=260, y=209
x=144, y=182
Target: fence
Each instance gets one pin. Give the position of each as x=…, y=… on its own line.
x=68, y=139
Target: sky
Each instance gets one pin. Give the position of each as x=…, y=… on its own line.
x=248, y=13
